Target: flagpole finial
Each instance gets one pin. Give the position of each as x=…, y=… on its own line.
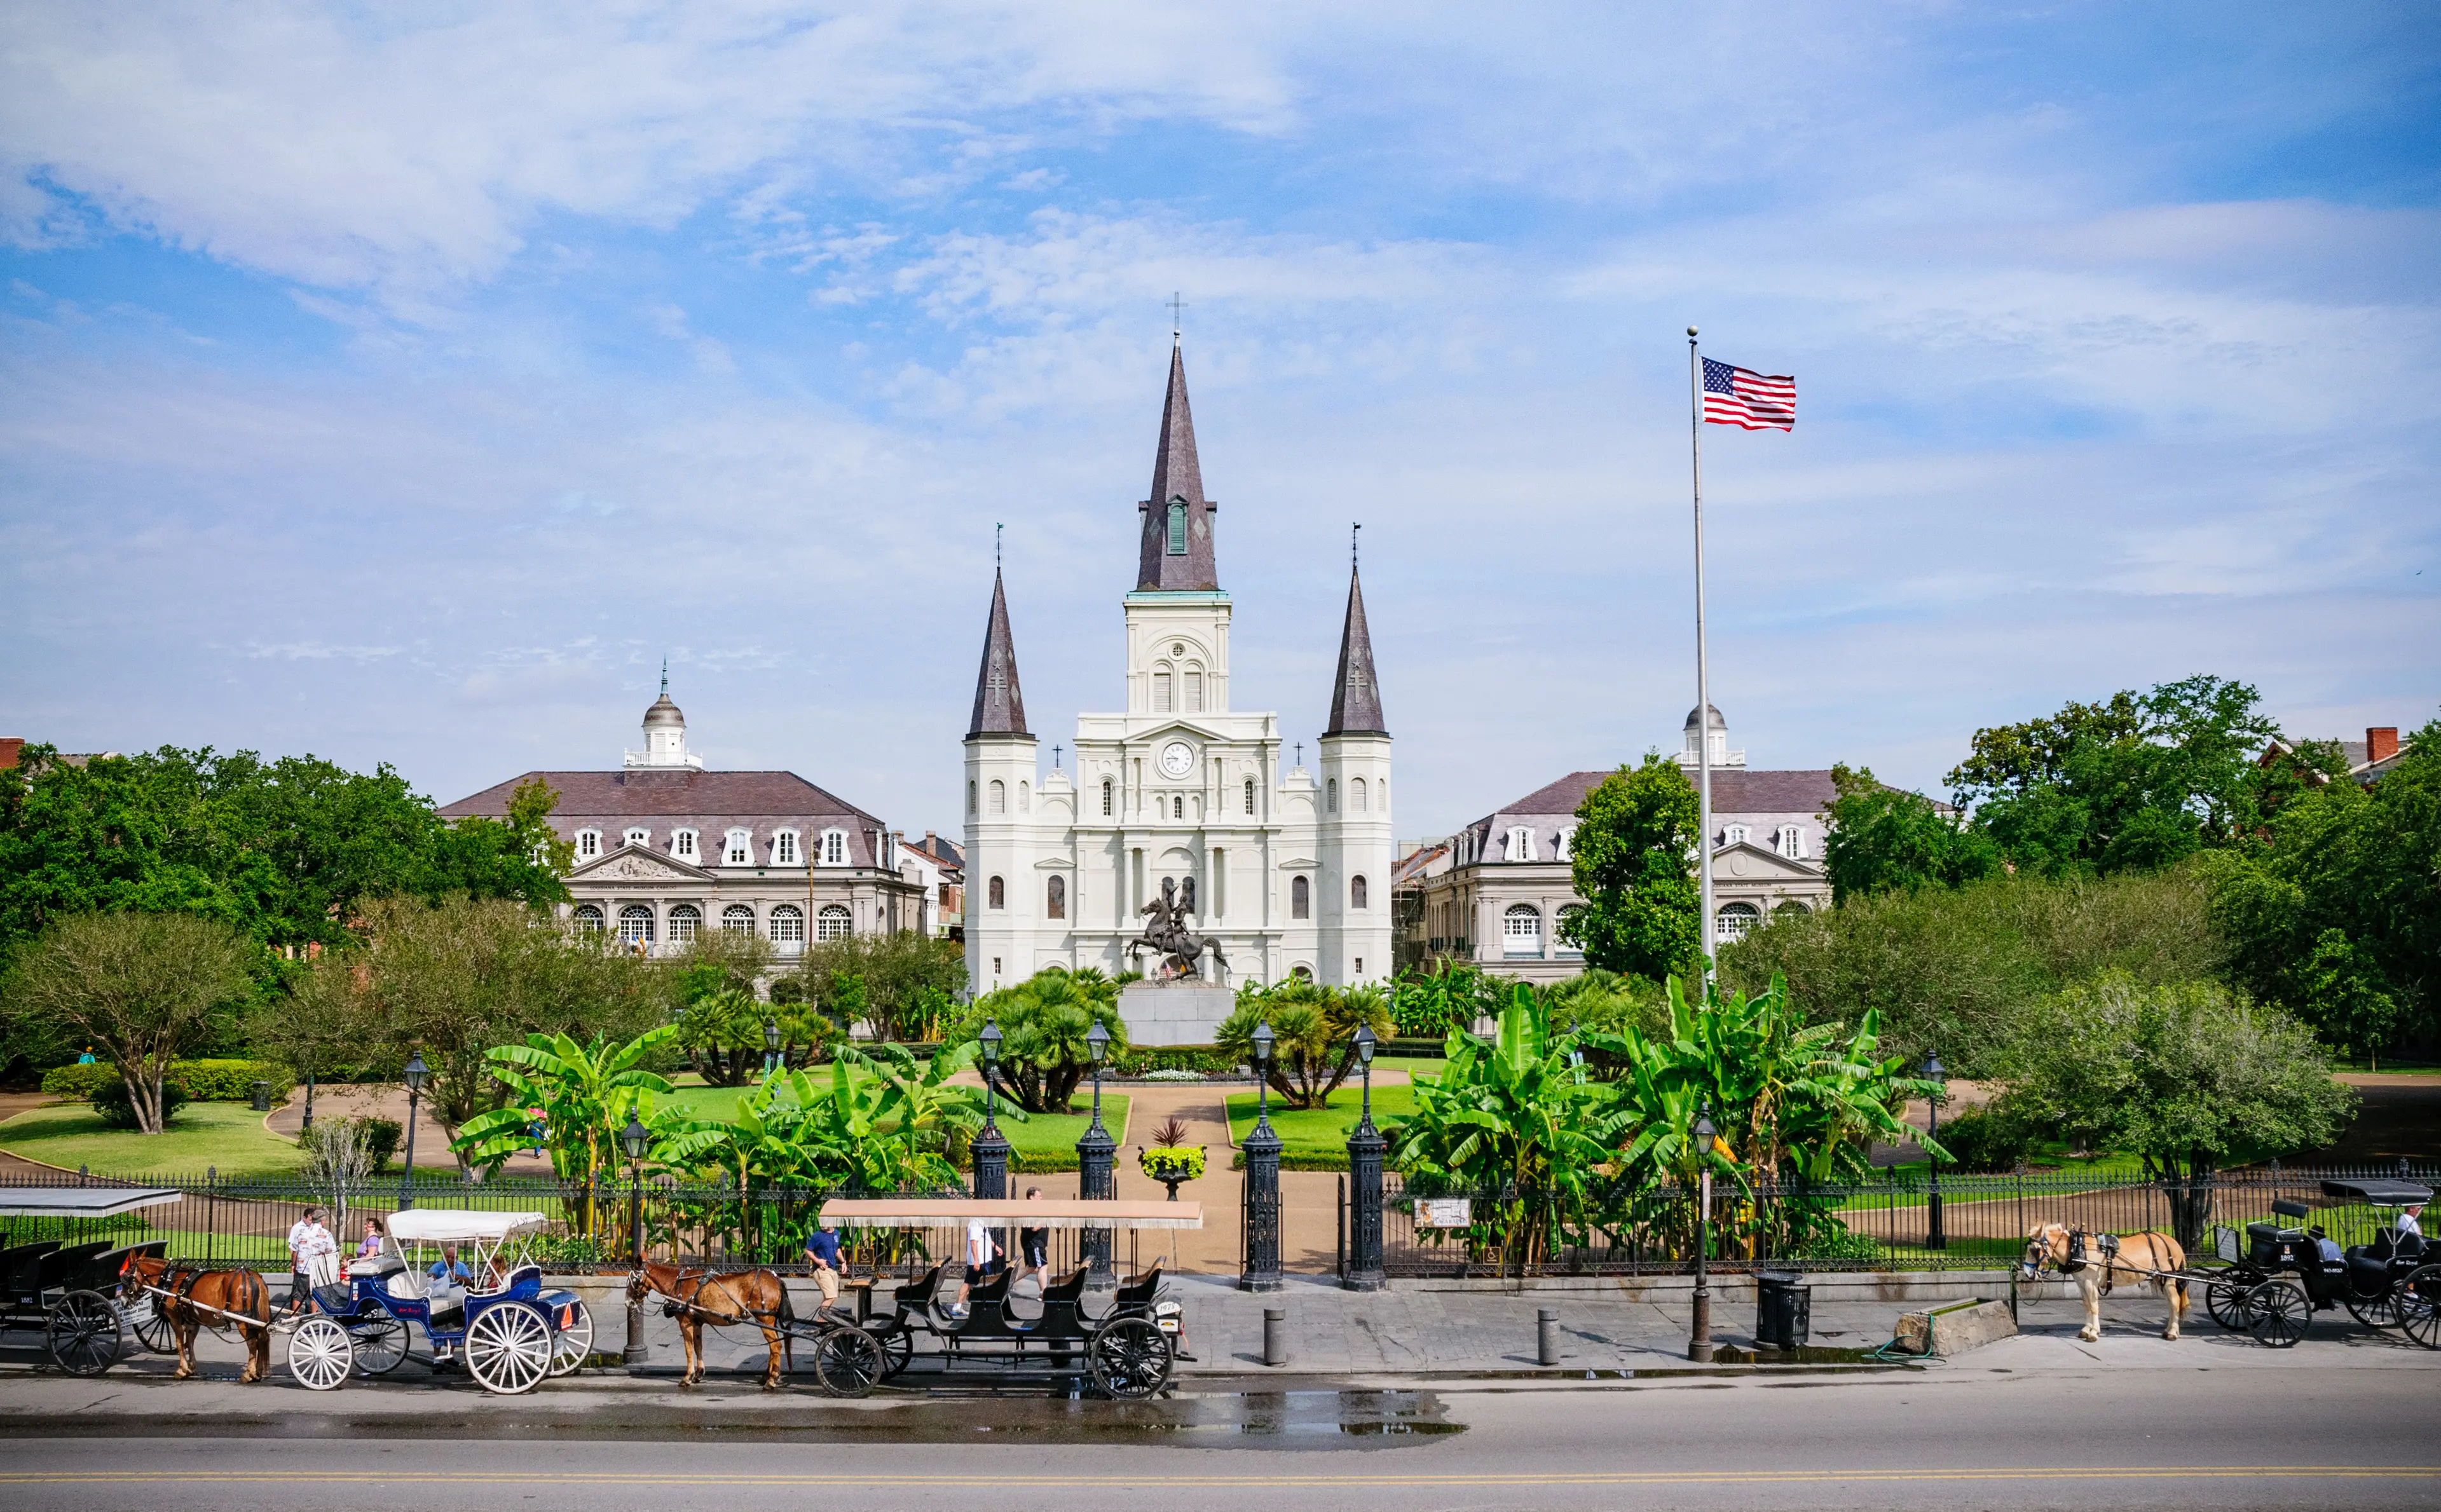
x=1690, y=331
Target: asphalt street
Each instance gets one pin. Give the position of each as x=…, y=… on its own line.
x=1953, y=1438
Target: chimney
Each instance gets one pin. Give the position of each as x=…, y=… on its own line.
x=11, y=745
x=2381, y=744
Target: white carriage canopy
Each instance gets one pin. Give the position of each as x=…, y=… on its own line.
x=82, y=1202
x=1007, y=1212
x=460, y=1226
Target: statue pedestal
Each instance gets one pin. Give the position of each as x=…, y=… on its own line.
x=1174, y=1012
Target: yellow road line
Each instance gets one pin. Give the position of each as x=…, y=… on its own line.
x=1067, y=1481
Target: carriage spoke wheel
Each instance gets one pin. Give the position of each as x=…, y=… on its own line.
x=2375, y=1312
x=848, y=1361
x=509, y=1348
x=897, y=1351
x=1130, y=1358
x=150, y=1327
x=380, y=1343
x=85, y=1333
x=2417, y=1300
x=2277, y=1312
x=573, y=1344
x=2226, y=1299
x=320, y=1354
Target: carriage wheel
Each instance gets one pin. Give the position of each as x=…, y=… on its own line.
x=2277, y=1313
x=509, y=1348
x=1130, y=1358
x=152, y=1327
x=2375, y=1312
x=320, y=1354
x=2418, y=1301
x=897, y=1351
x=85, y=1333
x=573, y=1344
x=2225, y=1298
x=847, y=1362
x=380, y=1344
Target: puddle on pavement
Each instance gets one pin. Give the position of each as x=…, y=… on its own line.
x=1805, y=1355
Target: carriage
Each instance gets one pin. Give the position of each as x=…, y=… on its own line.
x=510, y=1333
x=1126, y=1349
x=2273, y=1279
x=64, y=1290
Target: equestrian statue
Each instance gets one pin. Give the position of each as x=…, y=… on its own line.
x=1177, y=950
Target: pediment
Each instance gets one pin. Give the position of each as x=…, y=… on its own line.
x=1301, y=864
x=631, y=863
x=1748, y=861
x=1055, y=863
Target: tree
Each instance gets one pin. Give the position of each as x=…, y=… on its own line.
x=2185, y=1075
x=1313, y=1032
x=891, y=973
x=1632, y=857
x=142, y=988
x=1043, y=1022
x=1880, y=838
x=1450, y=994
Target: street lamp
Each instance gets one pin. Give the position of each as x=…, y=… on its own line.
x=1699, y=1339
x=991, y=1146
x=1263, y=1077
x=1096, y=1153
x=1365, y=1148
x=417, y=1075
x=1365, y=1043
x=771, y=1045
x=1262, y=1149
x=633, y=1138
x=1934, y=1073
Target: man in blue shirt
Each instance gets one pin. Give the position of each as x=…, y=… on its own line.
x=821, y=1252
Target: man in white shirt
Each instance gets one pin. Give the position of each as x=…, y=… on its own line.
x=2406, y=1217
x=981, y=1250
x=307, y=1239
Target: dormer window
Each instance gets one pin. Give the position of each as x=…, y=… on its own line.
x=683, y=844
x=834, y=847
x=637, y=836
x=1734, y=835
x=588, y=844
x=784, y=848
x=1567, y=840
x=1178, y=526
x=1521, y=844
x=1791, y=842
x=738, y=849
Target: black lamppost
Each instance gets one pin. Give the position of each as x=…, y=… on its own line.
x=1365, y=1147
x=770, y=1046
x=1699, y=1339
x=308, y=1126
x=634, y=1139
x=1933, y=1238
x=990, y=1146
x=1094, y=1156
x=1262, y=1148
x=417, y=1075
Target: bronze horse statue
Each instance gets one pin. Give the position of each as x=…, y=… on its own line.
x=1180, y=948
x=183, y=1293
x=721, y=1298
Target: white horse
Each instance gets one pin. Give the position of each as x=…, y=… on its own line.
x=2097, y=1261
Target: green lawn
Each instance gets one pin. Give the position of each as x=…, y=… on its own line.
x=228, y=1136
x=1318, y=1131
x=1412, y=1065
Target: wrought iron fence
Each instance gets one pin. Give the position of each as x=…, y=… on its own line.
x=1982, y=1221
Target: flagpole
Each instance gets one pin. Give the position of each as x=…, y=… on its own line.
x=1702, y=682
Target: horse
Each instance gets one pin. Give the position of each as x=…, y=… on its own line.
x=190, y=1290
x=2095, y=1261
x=698, y=1297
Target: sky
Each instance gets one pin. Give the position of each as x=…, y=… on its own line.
x=403, y=384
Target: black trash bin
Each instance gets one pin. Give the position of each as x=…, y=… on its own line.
x=1784, y=1309
x=262, y=1097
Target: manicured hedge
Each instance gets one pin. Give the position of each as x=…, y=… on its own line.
x=204, y=1081
x=1209, y=1059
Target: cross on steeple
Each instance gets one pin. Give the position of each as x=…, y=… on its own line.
x=997, y=528
x=665, y=676
x=1352, y=528
x=1055, y=758
x=1300, y=746
x=1176, y=325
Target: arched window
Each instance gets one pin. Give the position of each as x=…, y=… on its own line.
x=834, y=847
x=1025, y=797
x=784, y=848
x=1356, y=793
x=685, y=919
x=1790, y=842
x=970, y=797
x=1178, y=805
x=999, y=796
x=1331, y=792
x=1791, y=906
x=1055, y=898
x=1178, y=526
x=788, y=923
x=737, y=848
x=1521, y=930
x=737, y=919
x=588, y=916
x=1735, y=920
x=1521, y=844
x=683, y=844
x=834, y=922
x=1109, y=797
x=635, y=924
x=588, y=844
x=997, y=894
x=1300, y=899
x=1250, y=795
x=1356, y=893
x=637, y=836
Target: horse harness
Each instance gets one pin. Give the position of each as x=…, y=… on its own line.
x=2107, y=1244
x=692, y=1304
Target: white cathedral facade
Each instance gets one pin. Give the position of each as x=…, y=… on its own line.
x=1291, y=872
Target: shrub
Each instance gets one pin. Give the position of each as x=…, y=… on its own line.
x=1985, y=1138
x=381, y=1137
x=1209, y=1060
x=79, y=1081
x=1163, y=1163
x=111, y=1101
x=203, y=1081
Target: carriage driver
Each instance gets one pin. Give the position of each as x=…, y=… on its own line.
x=311, y=1251
x=822, y=1252
x=2406, y=1217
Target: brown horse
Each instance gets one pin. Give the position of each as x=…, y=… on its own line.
x=2097, y=1261
x=183, y=1293
x=720, y=1298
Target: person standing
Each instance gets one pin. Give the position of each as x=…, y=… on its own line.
x=822, y=1253
x=307, y=1242
x=1033, y=1249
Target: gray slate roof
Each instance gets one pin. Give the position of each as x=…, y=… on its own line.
x=1356, y=698
x=1177, y=474
x=1000, y=704
x=1735, y=791
x=667, y=798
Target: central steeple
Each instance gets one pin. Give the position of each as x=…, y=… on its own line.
x=1177, y=547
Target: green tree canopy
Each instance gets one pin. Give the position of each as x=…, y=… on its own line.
x=1880, y=838
x=1632, y=860
x=897, y=985
x=1314, y=1035
x=1043, y=1021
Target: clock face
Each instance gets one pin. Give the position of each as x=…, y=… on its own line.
x=1176, y=758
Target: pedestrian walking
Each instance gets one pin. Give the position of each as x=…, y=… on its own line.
x=1033, y=1250
x=822, y=1253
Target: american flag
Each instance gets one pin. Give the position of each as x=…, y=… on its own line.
x=1734, y=396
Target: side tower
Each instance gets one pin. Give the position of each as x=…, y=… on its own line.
x=1357, y=848
x=1001, y=920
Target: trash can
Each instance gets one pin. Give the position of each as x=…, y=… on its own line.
x=1784, y=1309
x=262, y=1097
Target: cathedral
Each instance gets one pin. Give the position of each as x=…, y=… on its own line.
x=1290, y=874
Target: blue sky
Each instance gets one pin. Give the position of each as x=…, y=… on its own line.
x=405, y=389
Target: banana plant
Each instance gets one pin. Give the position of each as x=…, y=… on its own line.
x=585, y=1092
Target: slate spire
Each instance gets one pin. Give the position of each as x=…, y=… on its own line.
x=1177, y=547
x=1000, y=706
x=1356, y=698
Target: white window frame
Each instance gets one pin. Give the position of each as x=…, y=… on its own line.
x=783, y=849
x=785, y=924
x=834, y=851
x=1512, y=937
x=1747, y=915
x=739, y=918
x=588, y=916
x=686, y=922
x=636, y=835
x=737, y=848
x=637, y=924
x=1250, y=795
x=1109, y=797
x=682, y=845
x=1734, y=835
x=1520, y=842
x=1566, y=850
x=1790, y=842
x=833, y=922
x=588, y=844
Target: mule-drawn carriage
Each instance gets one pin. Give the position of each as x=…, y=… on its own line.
x=2271, y=1281
x=66, y=1291
x=926, y=1330
x=509, y=1333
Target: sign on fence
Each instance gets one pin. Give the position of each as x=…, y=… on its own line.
x=1444, y=1212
